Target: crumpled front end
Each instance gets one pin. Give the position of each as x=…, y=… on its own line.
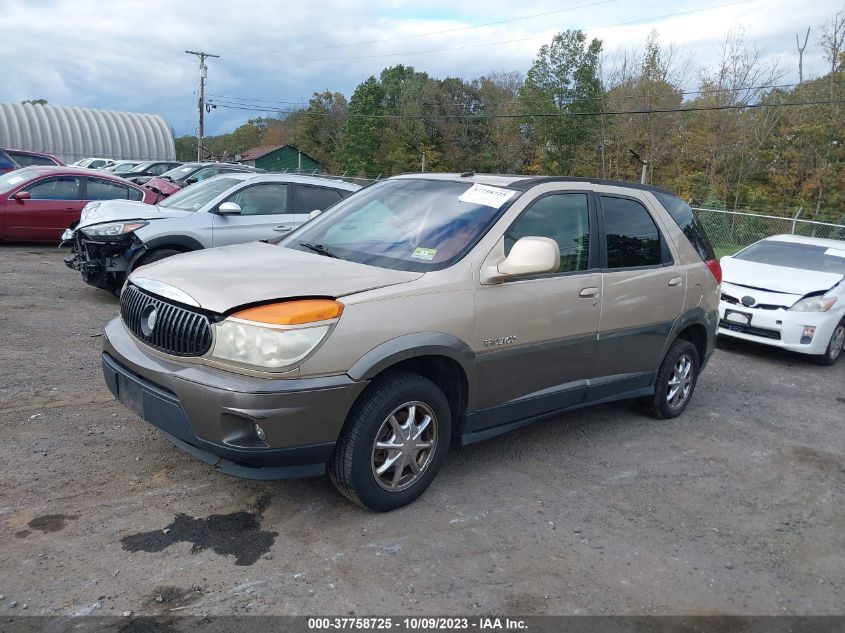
x=102, y=263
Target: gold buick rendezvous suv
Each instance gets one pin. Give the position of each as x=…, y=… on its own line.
x=422, y=311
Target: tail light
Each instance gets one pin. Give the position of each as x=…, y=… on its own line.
x=715, y=268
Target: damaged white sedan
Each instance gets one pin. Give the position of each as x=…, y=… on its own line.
x=787, y=291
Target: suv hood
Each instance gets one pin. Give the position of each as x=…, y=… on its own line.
x=221, y=279
x=119, y=210
x=778, y=279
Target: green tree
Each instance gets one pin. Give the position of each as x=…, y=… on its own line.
x=563, y=79
x=186, y=148
x=361, y=136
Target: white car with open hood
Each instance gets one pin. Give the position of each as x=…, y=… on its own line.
x=787, y=291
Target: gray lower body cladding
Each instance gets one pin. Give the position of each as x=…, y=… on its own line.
x=212, y=414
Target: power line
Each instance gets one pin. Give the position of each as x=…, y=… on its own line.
x=526, y=115
x=222, y=100
x=524, y=39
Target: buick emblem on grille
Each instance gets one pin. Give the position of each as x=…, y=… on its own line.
x=148, y=320
x=748, y=301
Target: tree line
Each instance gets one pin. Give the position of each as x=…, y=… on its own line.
x=743, y=139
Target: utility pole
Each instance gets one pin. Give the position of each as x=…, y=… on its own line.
x=203, y=75
x=642, y=162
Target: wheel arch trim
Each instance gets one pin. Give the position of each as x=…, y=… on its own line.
x=409, y=346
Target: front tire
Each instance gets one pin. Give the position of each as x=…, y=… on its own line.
x=393, y=443
x=156, y=255
x=675, y=383
x=834, y=346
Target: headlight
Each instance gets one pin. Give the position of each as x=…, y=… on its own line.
x=113, y=229
x=275, y=336
x=814, y=304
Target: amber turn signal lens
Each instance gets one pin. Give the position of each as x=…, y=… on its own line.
x=293, y=312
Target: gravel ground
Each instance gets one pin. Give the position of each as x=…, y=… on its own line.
x=735, y=508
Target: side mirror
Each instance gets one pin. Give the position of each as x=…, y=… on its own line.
x=529, y=256
x=314, y=214
x=22, y=195
x=191, y=180
x=229, y=208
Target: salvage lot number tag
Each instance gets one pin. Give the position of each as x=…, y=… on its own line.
x=486, y=195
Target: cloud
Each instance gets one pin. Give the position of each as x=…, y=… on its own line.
x=130, y=55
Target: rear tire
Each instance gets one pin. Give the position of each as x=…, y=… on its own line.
x=834, y=346
x=675, y=383
x=393, y=443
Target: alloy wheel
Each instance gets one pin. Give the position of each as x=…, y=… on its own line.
x=680, y=383
x=404, y=447
x=837, y=341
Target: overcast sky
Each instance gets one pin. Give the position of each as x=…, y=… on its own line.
x=130, y=56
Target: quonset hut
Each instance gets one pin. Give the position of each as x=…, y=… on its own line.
x=76, y=133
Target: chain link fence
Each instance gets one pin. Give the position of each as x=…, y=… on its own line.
x=730, y=231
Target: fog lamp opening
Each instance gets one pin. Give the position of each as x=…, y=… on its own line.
x=807, y=335
x=259, y=432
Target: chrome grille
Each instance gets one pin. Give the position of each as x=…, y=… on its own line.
x=176, y=330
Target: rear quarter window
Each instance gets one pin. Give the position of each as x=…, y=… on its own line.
x=687, y=221
x=25, y=160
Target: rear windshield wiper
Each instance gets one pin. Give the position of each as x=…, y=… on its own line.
x=318, y=248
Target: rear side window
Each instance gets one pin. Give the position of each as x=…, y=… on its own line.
x=25, y=160
x=105, y=190
x=307, y=199
x=691, y=226
x=632, y=239
x=563, y=217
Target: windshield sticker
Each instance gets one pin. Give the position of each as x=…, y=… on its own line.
x=835, y=252
x=424, y=253
x=486, y=195
x=13, y=180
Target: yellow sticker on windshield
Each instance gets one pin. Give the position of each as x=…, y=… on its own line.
x=424, y=253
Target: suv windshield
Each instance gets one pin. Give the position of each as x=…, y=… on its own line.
x=796, y=255
x=404, y=224
x=197, y=196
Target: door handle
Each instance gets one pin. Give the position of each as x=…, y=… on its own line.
x=589, y=292
x=675, y=281
x=283, y=228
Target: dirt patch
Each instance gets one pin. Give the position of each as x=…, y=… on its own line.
x=51, y=522
x=829, y=463
x=238, y=534
x=169, y=598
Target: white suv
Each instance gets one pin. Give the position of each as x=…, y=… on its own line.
x=115, y=237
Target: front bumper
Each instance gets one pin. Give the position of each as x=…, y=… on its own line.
x=780, y=328
x=212, y=414
x=103, y=264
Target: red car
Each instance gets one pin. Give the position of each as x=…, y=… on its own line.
x=38, y=203
x=25, y=158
